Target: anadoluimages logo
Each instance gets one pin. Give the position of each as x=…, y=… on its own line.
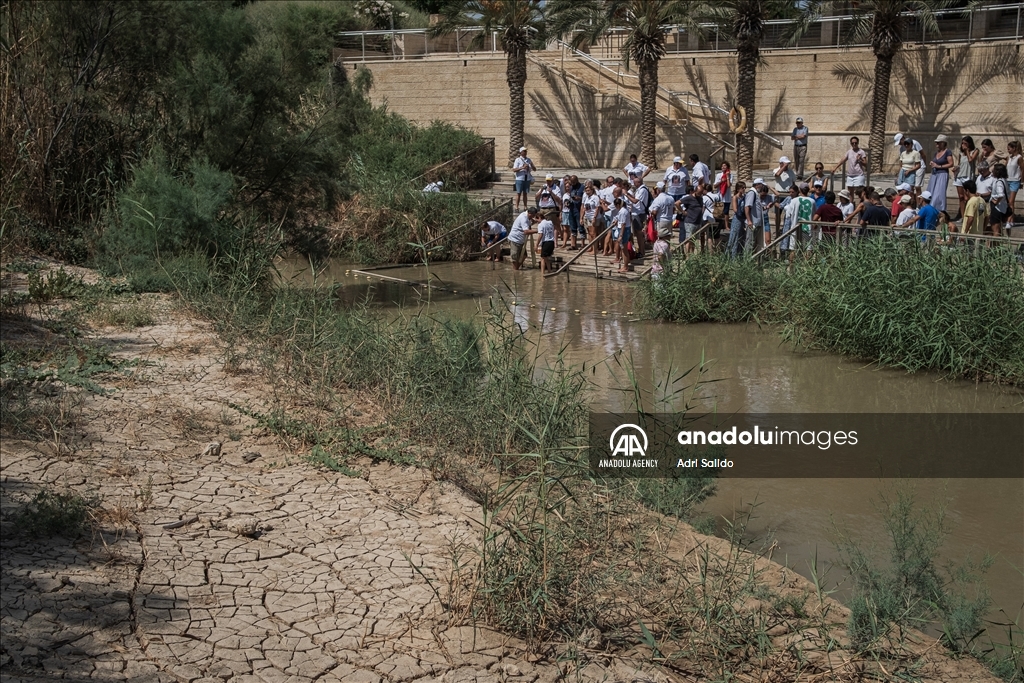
x=625, y=441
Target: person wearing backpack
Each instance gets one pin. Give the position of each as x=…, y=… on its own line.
x=999, y=199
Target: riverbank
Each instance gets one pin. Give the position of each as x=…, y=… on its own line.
x=250, y=558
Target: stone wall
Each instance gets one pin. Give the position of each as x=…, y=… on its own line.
x=959, y=90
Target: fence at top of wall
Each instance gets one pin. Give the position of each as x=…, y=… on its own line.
x=994, y=22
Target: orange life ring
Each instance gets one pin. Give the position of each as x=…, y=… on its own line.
x=737, y=119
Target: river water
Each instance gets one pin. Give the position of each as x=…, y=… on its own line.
x=755, y=372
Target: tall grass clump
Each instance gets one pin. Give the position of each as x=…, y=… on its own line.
x=903, y=586
x=895, y=301
x=710, y=287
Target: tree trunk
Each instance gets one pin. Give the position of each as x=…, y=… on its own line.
x=649, y=112
x=515, y=74
x=747, y=55
x=879, y=111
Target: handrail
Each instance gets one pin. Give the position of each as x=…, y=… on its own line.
x=769, y=40
x=774, y=242
x=476, y=221
x=672, y=96
x=491, y=246
x=583, y=251
x=485, y=143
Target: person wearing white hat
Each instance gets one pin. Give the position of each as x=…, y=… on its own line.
x=676, y=179
x=785, y=177
x=908, y=214
x=911, y=161
x=799, y=138
x=663, y=207
x=928, y=214
x=940, y=165
x=549, y=199
x=522, y=167
x=846, y=204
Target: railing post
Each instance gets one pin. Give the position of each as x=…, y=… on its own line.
x=457, y=50
x=970, y=26
x=426, y=44
x=362, y=38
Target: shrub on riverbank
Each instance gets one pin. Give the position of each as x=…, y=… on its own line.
x=896, y=302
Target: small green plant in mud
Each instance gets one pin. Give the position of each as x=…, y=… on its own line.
x=910, y=589
x=52, y=513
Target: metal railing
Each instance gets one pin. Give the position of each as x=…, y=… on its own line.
x=987, y=23
x=592, y=248
x=504, y=207
x=464, y=169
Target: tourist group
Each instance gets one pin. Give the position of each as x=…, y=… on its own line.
x=621, y=216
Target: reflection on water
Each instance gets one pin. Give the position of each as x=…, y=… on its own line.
x=750, y=370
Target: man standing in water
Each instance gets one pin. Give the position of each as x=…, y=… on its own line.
x=522, y=227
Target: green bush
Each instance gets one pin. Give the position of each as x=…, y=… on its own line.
x=711, y=288
x=902, y=304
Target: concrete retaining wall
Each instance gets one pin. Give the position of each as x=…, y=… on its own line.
x=959, y=90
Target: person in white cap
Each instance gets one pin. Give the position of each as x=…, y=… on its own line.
x=901, y=190
x=799, y=138
x=434, y=187
x=928, y=214
x=910, y=160
x=856, y=161
x=676, y=179
x=549, y=200
x=908, y=214
x=634, y=169
x=522, y=167
x=940, y=165
x=784, y=179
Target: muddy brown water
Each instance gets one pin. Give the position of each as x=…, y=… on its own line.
x=756, y=372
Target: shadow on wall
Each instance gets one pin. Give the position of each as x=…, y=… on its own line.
x=717, y=123
x=584, y=128
x=930, y=86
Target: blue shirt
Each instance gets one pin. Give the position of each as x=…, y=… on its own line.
x=929, y=217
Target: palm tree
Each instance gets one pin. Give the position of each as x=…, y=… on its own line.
x=744, y=20
x=519, y=23
x=883, y=23
x=645, y=20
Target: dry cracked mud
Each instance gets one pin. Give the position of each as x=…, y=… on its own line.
x=214, y=564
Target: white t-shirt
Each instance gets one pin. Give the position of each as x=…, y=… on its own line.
x=675, y=180
x=905, y=216
x=663, y=207
x=784, y=180
x=701, y=171
x=709, y=200
x=590, y=204
x=521, y=224
x=636, y=170
x=727, y=197
x=548, y=196
x=607, y=193
x=643, y=200
x=547, y=231
x=985, y=184
x=1013, y=168
x=622, y=218
x=1000, y=191
x=848, y=208
x=521, y=166
x=494, y=228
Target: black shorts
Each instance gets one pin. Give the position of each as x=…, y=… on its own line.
x=997, y=217
x=547, y=249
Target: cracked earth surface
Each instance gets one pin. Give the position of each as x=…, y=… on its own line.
x=221, y=566
x=167, y=588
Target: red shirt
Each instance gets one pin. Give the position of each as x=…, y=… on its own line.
x=829, y=213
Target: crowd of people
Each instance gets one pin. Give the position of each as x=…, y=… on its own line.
x=621, y=217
